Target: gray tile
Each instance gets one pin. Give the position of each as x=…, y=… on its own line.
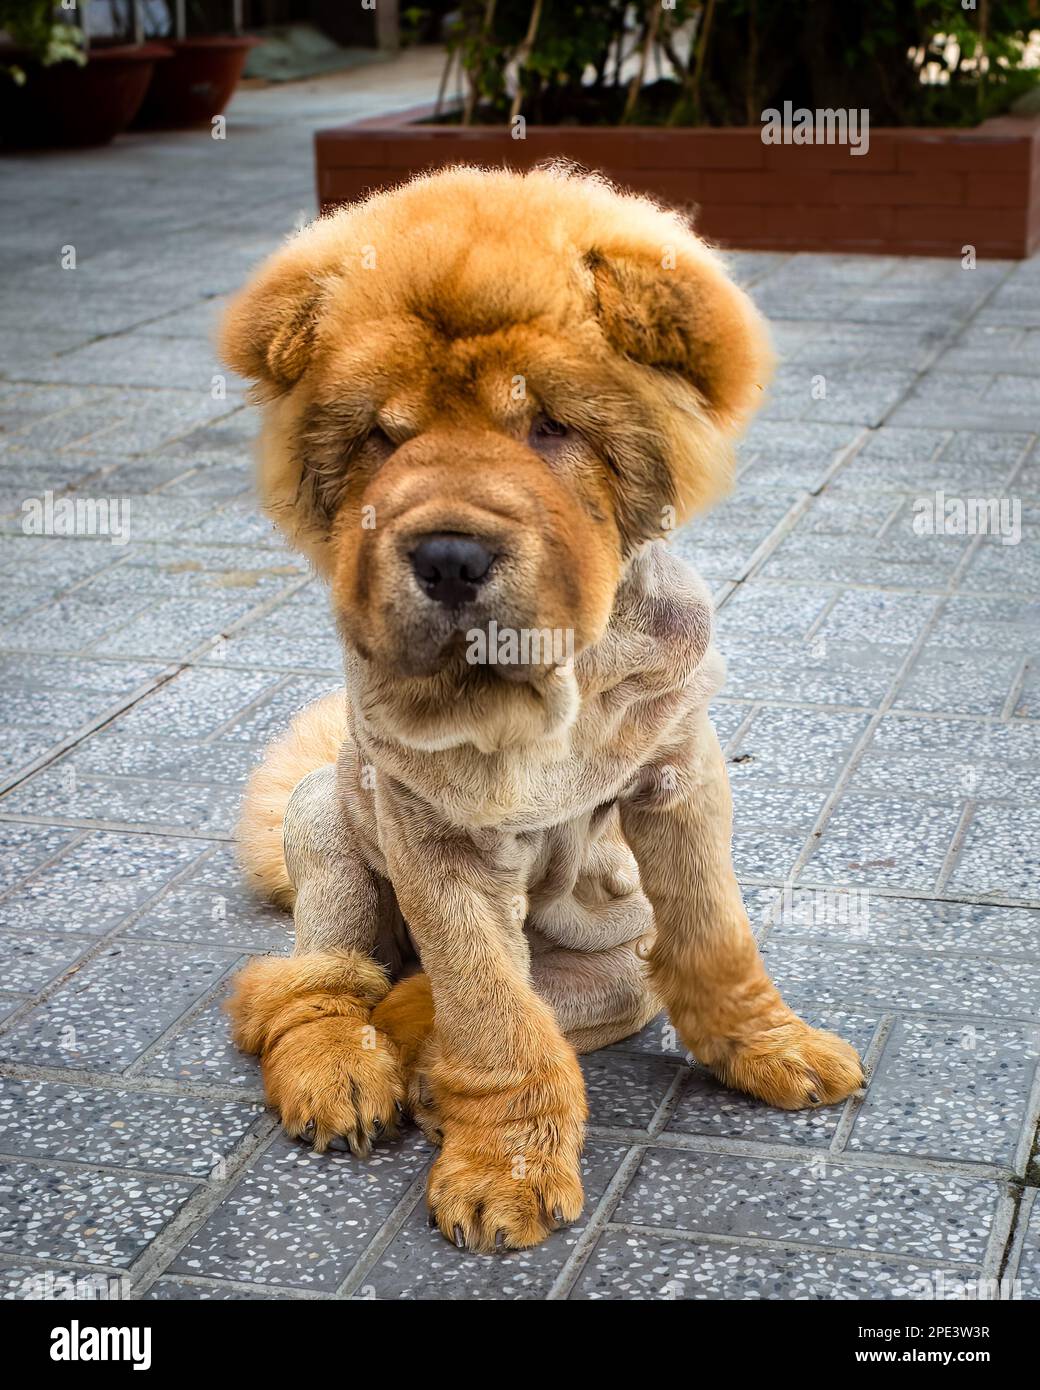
x=200, y=1049
x=1028, y=1272
x=173, y=1134
x=809, y=1201
x=708, y=1108
x=29, y=960
x=859, y=976
x=109, y=1011
x=98, y=883
x=857, y=914
x=99, y=1218
x=643, y=1267
x=883, y=841
x=950, y=1091
x=60, y=792
x=420, y=1264
x=24, y=847
x=956, y=681
x=301, y=1219
x=625, y=1091
x=1001, y=852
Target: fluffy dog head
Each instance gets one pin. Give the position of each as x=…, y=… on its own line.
x=483, y=391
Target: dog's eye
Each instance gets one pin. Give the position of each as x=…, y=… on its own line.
x=379, y=441
x=545, y=427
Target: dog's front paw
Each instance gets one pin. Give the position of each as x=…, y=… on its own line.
x=335, y=1078
x=509, y=1169
x=793, y=1066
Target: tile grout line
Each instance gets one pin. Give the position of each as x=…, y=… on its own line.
x=384, y=1237
x=171, y=1241
x=872, y=1056
x=563, y=1285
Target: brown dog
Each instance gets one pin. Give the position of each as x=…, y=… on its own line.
x=487, y=396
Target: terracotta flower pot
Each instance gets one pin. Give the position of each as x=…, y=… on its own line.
x=196, y=84
x=69, y=104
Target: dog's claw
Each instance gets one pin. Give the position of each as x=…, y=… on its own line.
x=500, y=1240
x=460, y=1238
x=814, y=1099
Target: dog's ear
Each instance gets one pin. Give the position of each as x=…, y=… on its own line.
x=269, y=331
x=684, y=315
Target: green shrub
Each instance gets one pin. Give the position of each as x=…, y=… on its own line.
x=731, y=59
x=35, y=27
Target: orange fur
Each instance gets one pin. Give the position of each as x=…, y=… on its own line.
x=558, y=371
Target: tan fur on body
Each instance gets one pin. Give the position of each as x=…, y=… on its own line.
x=557, y=372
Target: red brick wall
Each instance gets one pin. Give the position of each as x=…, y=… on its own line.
x=915, y=191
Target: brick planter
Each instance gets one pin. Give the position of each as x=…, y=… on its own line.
x=923, y=192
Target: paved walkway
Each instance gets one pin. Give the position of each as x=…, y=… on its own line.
x=880, y=719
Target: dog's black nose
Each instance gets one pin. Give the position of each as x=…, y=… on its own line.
x=451, y=567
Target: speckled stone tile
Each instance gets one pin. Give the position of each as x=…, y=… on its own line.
x=727, y=719
x=957, y=682
x=771, y=611
x=760, y=853
x=950, y=1091
x=100, y=1218
x=789, y=454
x=643, y=1267
x=799, y=745
x=273, y=715
x=706, y=1107
x=1028, y=1272
x=858, y=915
x=658, y=1039
x=28, y=961
x=61, y=792
x=172, y=628
x=626, y=1091
x=420, y=1264
x=759, y=801
x=811, y=670
x=185, y=1291
x=1006, y=624
x=874, y=615
x=886, y=841
x=97, y=883
x=61, y=1283
x=1027, y=706
x=1001, y=852
x=24, y=848
x=869, y=979
x=108, y=1012
x=200, y=1049
x=213, y=904
x=195, y=704
x=894, y=559
x=297, y=1218
x=173, y=1134
x=812, y=1201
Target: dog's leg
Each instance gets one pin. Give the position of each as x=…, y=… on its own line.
x=507, y=1088
x=705, y=963
x=327, y=1069
x=597, y=997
